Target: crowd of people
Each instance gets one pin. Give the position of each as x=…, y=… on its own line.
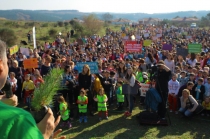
x=182, y=81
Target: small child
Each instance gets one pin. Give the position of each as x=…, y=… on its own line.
x=206, y=105
x=101, y=98
x=13, y=81
x=28, y=87
x=82, y=102
x=183, y=79
x=199, y=90
x=173, y=86
x=64, y=112
x=120, y=96
x=38, y=80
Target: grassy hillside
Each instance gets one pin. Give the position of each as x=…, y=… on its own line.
x=21, y=29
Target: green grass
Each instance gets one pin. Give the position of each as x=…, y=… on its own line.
x=119, y=127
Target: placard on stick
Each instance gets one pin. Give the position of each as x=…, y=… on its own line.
x=30, y=63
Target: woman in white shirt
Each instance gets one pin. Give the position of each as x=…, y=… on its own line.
x=130, y=79
x=192, y=61
x=169, y=62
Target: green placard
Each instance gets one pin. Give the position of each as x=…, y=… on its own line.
x=194, y=48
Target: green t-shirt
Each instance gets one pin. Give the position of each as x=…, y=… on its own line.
x=16, y=123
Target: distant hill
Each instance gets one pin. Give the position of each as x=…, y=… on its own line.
x=61, y=15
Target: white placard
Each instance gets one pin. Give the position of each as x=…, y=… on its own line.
x=24, y=51
x=144, y=88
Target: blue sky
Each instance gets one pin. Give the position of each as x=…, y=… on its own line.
x=117, y=6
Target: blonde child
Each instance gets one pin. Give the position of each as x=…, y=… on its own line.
x=28, y=87
x=64, y=112
x=13, y=81
x=82, y=102
x=206, y=105
x=101, y=99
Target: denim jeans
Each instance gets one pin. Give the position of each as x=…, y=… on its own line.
x=131, y=101
x=185, y=112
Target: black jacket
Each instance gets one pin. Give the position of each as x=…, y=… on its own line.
x=107, y=87
x=84, y=81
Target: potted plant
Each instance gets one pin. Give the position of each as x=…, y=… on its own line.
x=43, y=95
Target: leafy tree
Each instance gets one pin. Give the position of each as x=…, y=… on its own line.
x=77, y=26
x=66, y=23
x=107, y=17
x=92, y=24
x=176, y=17
x=52, y=32
x=7, y=35
x=60, y=23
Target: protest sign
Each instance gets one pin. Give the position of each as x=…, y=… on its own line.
x=126, y=38
x=158, y=35
x=138, y=37
x=93, y=66
x=194, y=48
x=184, y=33
x=182, y=52
x=13, y=50
x=132, y=46
x=154, y=38
x=144, y=88
x=167, y=47
x=146, y=35
x=62, y=40
x=30, y=63
x=24, y=51
x=147, y=42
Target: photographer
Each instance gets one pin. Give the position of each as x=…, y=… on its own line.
x=162, y=76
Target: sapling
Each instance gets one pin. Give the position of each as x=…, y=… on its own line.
x=43, y=95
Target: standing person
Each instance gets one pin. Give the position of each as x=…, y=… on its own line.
x=13, y=119
x=130, y=79
x=107, y=85
x=28, y=87
x=46, y=67
x=120, y=96
x=82, y=105
x=173, y=86
x=64, y=112
x=162, y=78
x=169, y=62
x=84, y=81
x=101, y=99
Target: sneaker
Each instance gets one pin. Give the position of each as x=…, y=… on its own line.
x=69, y=125
x=100, y=118
x=176, y=112
x=107, y=118
x=128, y=114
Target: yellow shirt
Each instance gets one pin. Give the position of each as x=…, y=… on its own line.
x=28, y=85
x=206, y=105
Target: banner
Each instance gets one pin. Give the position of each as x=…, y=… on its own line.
x=34, y=37
x=24, y=51
x=147, y=42
x=194, y=48
x=132, y=46
x=30, y=63
x=167, y=47
x=144, y=88
x=159, y=35
x=13, y=50
x=146, y=35
x=182, y=52
x=93, y=66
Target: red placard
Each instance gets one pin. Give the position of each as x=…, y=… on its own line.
x=133, y=46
